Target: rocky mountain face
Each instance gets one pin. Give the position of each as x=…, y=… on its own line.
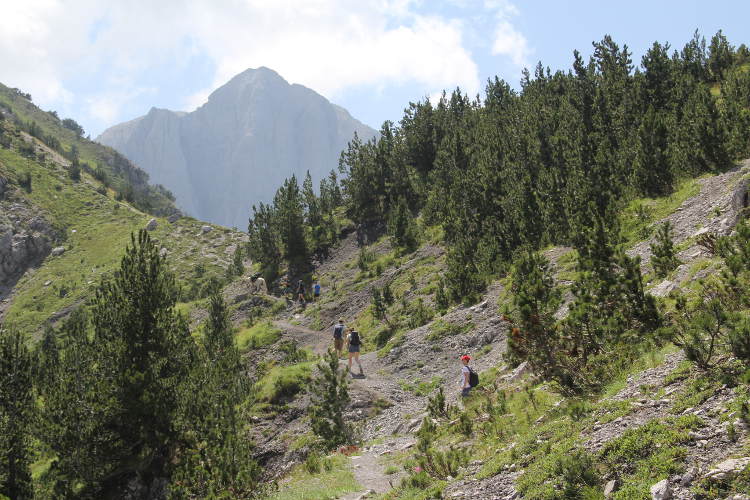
x=25, y=237
x=235, y=150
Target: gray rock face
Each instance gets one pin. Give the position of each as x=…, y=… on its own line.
x=236, y=150
x=25, y=240
x=152, y=225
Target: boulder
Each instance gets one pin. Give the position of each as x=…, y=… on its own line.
x=57, y=251
x=163, y=252
x=610, y=488
x=174, y=217
x=206, y=229
x=152, y=224
x=727, y=469
x=661, y=490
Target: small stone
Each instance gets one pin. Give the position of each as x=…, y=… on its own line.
x=609, y=488
x=727, y=469
x=661, y=490
x=688, y=477
x=152, y=224
x=163, y=252
x=48, y=283
x=57, y=251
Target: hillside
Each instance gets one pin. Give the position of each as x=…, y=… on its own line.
x=233, y=151
x=60, y=236
x=514, y=436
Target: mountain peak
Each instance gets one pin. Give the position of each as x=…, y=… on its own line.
x=237, y=148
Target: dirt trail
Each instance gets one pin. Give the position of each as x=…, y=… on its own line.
x=318, y=342
x=370, y=467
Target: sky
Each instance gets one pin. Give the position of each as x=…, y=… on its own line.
x=105, y=62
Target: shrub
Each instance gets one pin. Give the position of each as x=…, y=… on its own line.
x=664, y=259
x=24, y=180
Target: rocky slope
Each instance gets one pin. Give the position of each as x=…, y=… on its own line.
x=235, y=150
x=707, y=441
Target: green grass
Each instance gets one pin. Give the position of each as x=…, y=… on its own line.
x=441, y=329
x=281, y=383
x=422, y=388
x=648, y=454
x=262, y=334
x=639, y=215
x=334, y=480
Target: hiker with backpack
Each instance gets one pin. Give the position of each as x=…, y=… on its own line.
x=469, y=378
x=338, y=337
x=316, y=291
x=301, y=292
x=354, y=341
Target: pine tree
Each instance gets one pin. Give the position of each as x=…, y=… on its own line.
x=264, y=241
x=720, y=56
x=214, y=455
x=112, y=403
x=663, y=259
x=290, y=219
x=16, y=415
x=401, y=227
x=652, y=169
x=330, y=396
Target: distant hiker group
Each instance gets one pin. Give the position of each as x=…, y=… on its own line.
x=300, y=295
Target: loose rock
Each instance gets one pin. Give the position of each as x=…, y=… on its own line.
x=661, y=490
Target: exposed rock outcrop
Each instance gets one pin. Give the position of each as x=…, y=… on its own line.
x=235, y=150
x=25, y=240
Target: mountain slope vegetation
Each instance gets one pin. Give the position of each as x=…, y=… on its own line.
x=527, y=230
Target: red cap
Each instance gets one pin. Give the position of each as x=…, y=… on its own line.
x=465, y=357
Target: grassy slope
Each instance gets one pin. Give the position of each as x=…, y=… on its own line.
x=95, y=230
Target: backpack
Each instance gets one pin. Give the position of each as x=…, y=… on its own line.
x=338, y=331
x=473, y=377
x=354, y=338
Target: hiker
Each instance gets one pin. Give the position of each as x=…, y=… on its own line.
x=469, y=377
x=316, y=291
x=353, y=341
x=301, y=292
x=338, y=337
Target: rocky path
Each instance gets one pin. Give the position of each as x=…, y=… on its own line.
x=371, y=468
x=318, y=342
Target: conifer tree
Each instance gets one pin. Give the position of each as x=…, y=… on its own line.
x=214, y=457
x=111, y=406
x=330, y=396
x=264, y=241
x=16, y=415
x=663, y=259
x=401, y=226
x=652, y=169
x=289, y=208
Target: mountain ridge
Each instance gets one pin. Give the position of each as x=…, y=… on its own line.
x=231, y=152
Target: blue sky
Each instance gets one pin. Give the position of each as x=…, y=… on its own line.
x=106, y=62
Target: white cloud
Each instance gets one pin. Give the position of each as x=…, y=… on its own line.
x=49, y=47
x=508, y=41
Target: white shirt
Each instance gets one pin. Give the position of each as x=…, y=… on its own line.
x=464, y=374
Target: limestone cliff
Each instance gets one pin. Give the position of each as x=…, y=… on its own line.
x=236, y=149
